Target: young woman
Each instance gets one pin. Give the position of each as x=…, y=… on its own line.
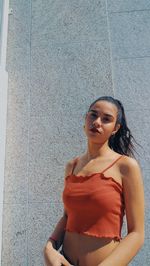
x=101, y=186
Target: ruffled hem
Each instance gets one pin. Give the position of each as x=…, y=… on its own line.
x=118, y=238
x=95, y=174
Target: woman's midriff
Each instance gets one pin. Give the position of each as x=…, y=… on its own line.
x=84, y=250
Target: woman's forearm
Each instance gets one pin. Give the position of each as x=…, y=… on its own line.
x=125, y=251
x=58, y=233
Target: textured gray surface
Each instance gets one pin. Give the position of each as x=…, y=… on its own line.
x=127, y=5
x=1, y=8
x=140, y=129
x=59, y=61
x=15, y=235
x=41, y=218
x=14, y=242
x=15, y=190
x=68, y=71
x=130, y=76
x=130, y=34
x=67, y=21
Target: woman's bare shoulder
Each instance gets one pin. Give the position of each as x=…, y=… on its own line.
x=129, y=162
x=70, y=164
x=129, y=166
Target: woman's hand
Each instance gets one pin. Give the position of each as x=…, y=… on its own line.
x=54, y=258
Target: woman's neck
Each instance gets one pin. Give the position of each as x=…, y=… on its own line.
x=97, y=150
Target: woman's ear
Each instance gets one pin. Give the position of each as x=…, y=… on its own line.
x=117, y=127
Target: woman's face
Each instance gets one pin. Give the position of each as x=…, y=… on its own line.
x=100, y=121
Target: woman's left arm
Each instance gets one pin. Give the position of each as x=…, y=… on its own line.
x=133, y=190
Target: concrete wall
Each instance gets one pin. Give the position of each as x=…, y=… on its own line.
x=3, y=102
x=61, y=56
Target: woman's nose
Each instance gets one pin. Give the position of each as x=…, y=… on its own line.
x=97, y=122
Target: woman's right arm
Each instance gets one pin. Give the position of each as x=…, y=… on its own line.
x=50, y=253
x=58, y=234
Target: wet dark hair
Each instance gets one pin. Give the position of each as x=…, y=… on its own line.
x=122, y=140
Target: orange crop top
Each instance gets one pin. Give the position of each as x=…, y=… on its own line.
x=94, y=204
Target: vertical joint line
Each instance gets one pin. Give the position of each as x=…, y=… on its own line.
x=110, y=49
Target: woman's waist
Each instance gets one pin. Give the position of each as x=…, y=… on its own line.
x=88, y=250
x=89, y=238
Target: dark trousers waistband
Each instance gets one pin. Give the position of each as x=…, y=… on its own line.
x=63, y=253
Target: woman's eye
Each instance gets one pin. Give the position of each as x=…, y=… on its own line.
x=105, y=119
x=93, y=115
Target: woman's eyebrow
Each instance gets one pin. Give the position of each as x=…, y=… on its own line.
x=103, y=113
x=108, y=115
x=93, y=111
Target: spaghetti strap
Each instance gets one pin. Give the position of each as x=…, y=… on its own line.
x=74, y=165
x=111, y=164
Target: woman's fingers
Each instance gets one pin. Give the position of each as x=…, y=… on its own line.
x=65, y=262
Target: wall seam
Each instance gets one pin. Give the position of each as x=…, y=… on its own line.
x=129, y=11
x=3, y=110
x=28, y=144
x=110, y=49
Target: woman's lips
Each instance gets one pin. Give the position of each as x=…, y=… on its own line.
x=95, y=130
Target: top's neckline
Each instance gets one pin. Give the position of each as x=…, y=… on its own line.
x=100, y=174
